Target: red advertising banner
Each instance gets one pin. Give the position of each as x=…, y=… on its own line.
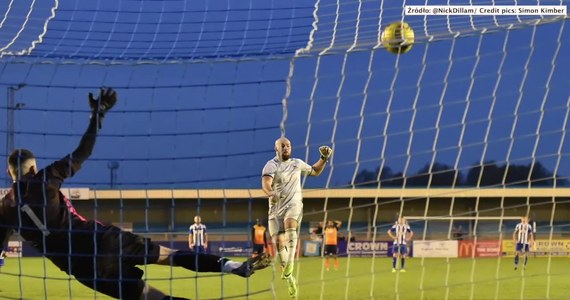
x=488, y=248
x=484, y=248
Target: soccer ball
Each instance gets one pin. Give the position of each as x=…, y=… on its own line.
x=398, y=37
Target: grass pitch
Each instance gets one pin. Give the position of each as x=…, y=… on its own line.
x=357, y=278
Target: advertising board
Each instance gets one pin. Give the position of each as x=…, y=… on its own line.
x=480, y=248
x=435, y=248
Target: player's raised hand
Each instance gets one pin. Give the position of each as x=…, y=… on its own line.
x=103, y=103
x=106, y=100
x=326, y=152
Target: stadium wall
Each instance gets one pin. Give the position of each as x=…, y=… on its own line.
x=232, y=212
x=229, y=214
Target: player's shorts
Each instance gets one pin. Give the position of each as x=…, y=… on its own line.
x=523, y=247
x=199, y=249
x=276, y=222
x=402, y=249
x=331, y=250
x=111, y=270
x=258, y=248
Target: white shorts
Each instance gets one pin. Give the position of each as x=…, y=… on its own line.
x=276, y=221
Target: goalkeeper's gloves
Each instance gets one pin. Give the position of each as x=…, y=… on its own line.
x=326, y=152
x=102, y=104
x=2, y=257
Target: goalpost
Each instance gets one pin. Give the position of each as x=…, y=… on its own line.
x=472, y=230
x=495, y=250
x=468, y=128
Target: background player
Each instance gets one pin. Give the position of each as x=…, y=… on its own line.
x=47, y=220
x=331, y=243
x=523, y=238
x=281, y=181
x=400, y=233
x=197, y=236
x=2, y=256
x=259, y=238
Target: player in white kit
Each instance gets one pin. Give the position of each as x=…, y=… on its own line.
x=281, y=181
x=523, y=238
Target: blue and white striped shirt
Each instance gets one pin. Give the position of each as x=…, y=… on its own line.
x=198, y=232
x=523, y=233
x=401, y=233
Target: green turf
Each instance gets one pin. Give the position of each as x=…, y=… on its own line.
x=314, y=283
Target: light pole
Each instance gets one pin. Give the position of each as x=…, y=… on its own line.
x=113, y=165
x=11, y=108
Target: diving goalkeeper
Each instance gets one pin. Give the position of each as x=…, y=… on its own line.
x=100, y=256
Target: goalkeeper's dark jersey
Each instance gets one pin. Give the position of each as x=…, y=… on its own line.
x=43, y=216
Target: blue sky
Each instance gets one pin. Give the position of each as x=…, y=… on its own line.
x=201, y=85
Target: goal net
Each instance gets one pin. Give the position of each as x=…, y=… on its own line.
x=463, y=135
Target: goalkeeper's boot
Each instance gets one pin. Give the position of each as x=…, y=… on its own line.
x=393, y=270
x=287, y=271
x=252, y=264
x=403, y=270
x=292, y=286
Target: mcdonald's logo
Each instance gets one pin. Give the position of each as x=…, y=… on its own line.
x=466, y=249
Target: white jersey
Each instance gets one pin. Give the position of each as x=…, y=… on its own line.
x=198, y=232
x=523, y=233
x=401, y=233
x=286, y=180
